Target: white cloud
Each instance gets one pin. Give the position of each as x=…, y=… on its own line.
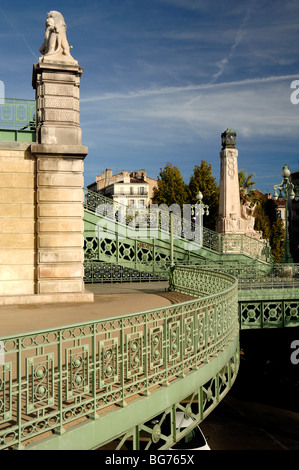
x=253, y=107
x=187, y=88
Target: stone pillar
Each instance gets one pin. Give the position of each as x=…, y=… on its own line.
x=60, y=224
x=60, y=156
x=229, y=219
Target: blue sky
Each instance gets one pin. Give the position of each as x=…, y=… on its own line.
x=164, y=78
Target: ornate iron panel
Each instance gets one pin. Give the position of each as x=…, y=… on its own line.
x=5, y=392
x=17, y=114
x=55, y=377
x=40, y=381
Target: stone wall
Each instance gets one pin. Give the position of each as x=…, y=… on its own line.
x=41, y=224
x=17, y=219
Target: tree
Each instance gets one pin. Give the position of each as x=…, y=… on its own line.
x=202, y=180
x=277, y=240
x=245, y=181
x=268, y=222
x=171, y=188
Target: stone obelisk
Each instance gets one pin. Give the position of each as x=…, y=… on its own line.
x=60, y=155
x=229, y=219
x=234, y=217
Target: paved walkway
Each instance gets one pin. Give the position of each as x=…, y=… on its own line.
x=110, y=300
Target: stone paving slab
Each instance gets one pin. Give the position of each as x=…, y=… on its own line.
x=109, y=300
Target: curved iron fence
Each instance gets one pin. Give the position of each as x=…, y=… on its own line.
x=54, y=379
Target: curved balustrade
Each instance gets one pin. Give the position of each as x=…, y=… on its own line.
x=159, y=220
x=268, y=296
x=54, y=379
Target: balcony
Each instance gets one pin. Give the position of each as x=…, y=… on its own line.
x=122, y=193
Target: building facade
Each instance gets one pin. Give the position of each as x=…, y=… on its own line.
x=134, y=189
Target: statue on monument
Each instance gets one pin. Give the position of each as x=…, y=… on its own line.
x=247, y=213
x=55, y=41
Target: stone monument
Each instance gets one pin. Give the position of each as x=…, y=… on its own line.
x=233, y=217
x=59, y=155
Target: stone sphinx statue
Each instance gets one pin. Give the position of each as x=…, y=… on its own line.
x=55, y=40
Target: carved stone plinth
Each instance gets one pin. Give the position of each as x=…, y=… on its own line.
x=57, y=99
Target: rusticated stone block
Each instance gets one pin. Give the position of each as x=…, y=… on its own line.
x=60, y=195
x=60, y=255
x=60, y=240
x=60, y=164
x=60, y=271
x=60, y=210
x=60, y=286
x=67, y=225
x=60, y=180
x=15, y=288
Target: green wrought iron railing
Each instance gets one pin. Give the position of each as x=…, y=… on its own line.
x=281, y=311
x=52, y=380
x=17, y=114
x=145, y=220
x=254, y=276
x=99, y=272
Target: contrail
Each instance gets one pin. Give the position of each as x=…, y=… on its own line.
x=222, y=64
x=182, y=89
x=18, y=33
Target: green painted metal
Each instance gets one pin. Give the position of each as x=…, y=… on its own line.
x=269, y=312
x=12, y=135
x=146, y=255
x=117, y=243
x=268, y=292
x=53, y=380
x=252, y=277
x=97, y=272
x=269, y=308
x=267, y=298
x=17, y=114
x=197, y=394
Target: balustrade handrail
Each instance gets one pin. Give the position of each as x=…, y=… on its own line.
x=52, y=378
x=219, y=242
x=17, y=114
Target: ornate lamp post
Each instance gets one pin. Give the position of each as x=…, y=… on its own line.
x=199, y=208
x=286, y=190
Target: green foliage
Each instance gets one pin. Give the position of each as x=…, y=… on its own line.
x=277, y=240
x=202, y=180
x=268, y=222
x=245, y=182
x=171, y=188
